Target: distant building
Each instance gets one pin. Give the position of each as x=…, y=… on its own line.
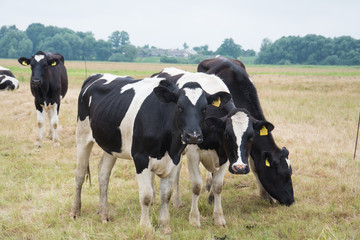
x=172, y=52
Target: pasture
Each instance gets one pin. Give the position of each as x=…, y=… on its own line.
x=314, y=110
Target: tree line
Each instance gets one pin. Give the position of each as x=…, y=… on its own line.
x=311, y=49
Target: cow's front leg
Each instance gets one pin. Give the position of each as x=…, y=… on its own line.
x=105, y=166
x=166, y=185
x=217, y=186
x=176, y=199
x=53, y=123
x=145, y=196
x=193, y=160
x=41, y=115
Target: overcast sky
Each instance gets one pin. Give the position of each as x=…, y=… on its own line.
x=170, y=24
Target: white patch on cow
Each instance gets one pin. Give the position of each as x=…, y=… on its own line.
x=142, y=90
x=240, y=122
x=108, y=77
x=11, y=79
x=288, y=162
x=209, y=83
x=173, y=71
x=3, y=68
x=193, y=94
x=161, y=167
x=38, y=58
x=90, y=98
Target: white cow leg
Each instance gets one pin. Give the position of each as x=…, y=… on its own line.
x=193, y=160
x=217, y=186
x=176, y=198
x=105, y=167
x=84, y=145
x=41, y=126
x=166, y=185
x=53, y=123
x=145, y=196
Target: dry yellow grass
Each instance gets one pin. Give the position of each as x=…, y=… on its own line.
x=314, y=110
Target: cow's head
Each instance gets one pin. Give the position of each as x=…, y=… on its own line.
x=274, y=172
x=238, y=129
x=191, y=103
x=40, y=65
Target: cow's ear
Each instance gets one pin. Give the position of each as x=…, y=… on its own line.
x=165, y=95
x=24, y=61
x=219, y=99
x=215, y=123
x=267, y=159
x=263, y=127
x=53, y=62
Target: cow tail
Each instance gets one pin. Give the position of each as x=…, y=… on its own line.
x=87, y=175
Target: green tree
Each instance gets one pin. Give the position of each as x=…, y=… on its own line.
x=118, y=39
x=102, y=50
x=14, y=44
x=229, y=48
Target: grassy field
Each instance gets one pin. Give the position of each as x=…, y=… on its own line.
x=314, y=110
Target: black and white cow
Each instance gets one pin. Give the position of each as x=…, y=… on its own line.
x=7, y=80
x=228, y=135
x=48, y=84
x=270, y=164
x=150, y=121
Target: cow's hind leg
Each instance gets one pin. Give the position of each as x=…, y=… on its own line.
x=217, y=186
x=105, y=167
x=53, y=123
x=84, y=142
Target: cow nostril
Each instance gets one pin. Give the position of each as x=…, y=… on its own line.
x=240, y=169
x=193, y=138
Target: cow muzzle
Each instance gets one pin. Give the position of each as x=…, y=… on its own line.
x=193, y=138
x=36, y=82
x=239, y=168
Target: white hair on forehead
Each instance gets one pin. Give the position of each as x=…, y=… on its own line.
x=38, y=58
x=209, y=83
x=240, y=122
x=193, y=94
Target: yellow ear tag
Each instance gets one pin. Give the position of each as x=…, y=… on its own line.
x=216, y=103
x=267, y=162
x=24, y=63
x=263, y=131
x=53, y=64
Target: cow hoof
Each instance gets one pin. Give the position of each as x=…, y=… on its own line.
x=104, y=221
x=194, y=222
x=38, y=145
x=166, y=230
x=56, y=144
x=220, y=222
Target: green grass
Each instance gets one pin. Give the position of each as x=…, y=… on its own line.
x=315, y=117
